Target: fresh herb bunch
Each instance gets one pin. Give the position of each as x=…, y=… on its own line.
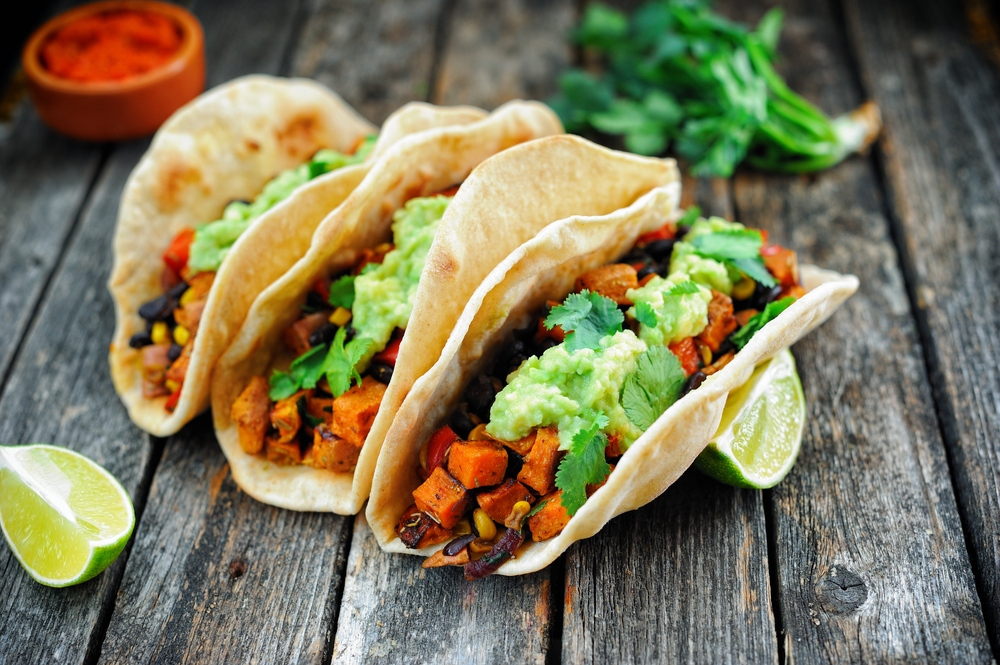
x=679, y=73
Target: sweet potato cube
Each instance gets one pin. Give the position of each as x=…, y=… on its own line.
x=721, y=322
x=550, y=520
x=283, y=452
x=498, y=502
x=189, y=315
x=417, y=530
x=286, y=419
x=250, y=413
x=154, y=370
x=177, y=371
x=320, y=408
x=782, y=263
x=200, y=285
x=522, y=446
x=442, y=497
x=355, y=411
x=611, y=281
x=744, y=316
x=539, y=470
x=296, y=336
x=477, y=463
x=687, y=353
x=331, y=452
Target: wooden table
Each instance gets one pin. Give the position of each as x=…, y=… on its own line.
x=883, y=544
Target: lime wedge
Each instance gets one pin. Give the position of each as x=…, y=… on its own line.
x=761, y=429
x=64, y=517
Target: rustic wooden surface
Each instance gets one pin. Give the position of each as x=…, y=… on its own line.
x=881, y=545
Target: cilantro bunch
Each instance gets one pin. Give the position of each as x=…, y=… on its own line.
x=678, y=74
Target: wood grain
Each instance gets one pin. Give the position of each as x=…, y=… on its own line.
x=498, y=51
x=376, y=55
x=939, y=156
x=870, y=557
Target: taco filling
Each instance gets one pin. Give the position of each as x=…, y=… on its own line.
x=189, y=267
x=543, y=428
x=345, y=343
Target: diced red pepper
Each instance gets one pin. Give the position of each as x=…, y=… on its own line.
x=387, y=356
x=687, y=353
x=438, y=445
x=665, y=232
x=322, y=287
x=172, y=401
x=176, y=256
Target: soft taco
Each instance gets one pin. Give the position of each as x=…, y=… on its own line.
x=308, y=388
x=267, y=158
x=587, y=371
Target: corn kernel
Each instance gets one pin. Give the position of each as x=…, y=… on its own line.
x=423, y=457
x=340, y=317
x=706, y=353
x=172, y=386
x=484, y=525
x=478, y=433
x=517, y=514
x=462, y=528
x=181, y=335
x=744, y=288
x=160, y=333
x=188, y=297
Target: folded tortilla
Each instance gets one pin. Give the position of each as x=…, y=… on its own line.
x=463, y=252
x=226, y=145
x=545, y=268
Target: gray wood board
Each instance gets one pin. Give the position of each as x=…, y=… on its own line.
x=60, y=392
x=376, y=55
x=939, y=157
x=869, y=503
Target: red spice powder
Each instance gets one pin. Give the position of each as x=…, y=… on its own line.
x=111, y=46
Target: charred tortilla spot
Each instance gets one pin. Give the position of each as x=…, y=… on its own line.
x=175, y=178
x=299, y=137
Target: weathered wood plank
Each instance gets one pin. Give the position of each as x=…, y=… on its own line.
x=502, y=51
x=939, y=98
x=663, y=584
x=60, y=392
x=376, y=55
x=394, y=611
x=868, y=544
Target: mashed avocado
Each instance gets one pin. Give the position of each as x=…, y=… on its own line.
x=561, y=387
x=383, y=296
x=213, y=240
x=677, y=316
x=706, y=272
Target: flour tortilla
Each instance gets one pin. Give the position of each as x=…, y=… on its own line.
x=546, y=268
x=226, y=145
x=464, y=251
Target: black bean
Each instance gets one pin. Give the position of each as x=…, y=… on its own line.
x=636, y=255
x=480, y=395
x=322, y=335
x=351, y=332
x=457, y=545
x=661, y=249
x=724, y=348
x=663, y=269
x=177, y=290
x=315, y=302
x=140, y=339
x=539, y=347
x=693, y=382
x=761, y=296
x=682, y=230
x=381, y=373
x=648, y=269
x=514, y=464
x=511, y=357
x=174, y=352
x=158, y=309
x=462, y=421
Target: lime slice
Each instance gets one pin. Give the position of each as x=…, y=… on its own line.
x=761, y=429
x=64, y=517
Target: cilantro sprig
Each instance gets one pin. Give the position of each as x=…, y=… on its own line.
x=739, y=248
x=304, y=372
x=342, y=292
x=337, y=361
x=586, y=317
x=584, y=464
x=653, y=387
x=742, y=336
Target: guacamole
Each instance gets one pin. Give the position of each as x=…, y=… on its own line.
x=561, y=387
x=213, y=240
x=383, y=296
x=707, y=272
x=677, y=316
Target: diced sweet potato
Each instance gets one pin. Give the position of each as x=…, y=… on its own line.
x=550, y=520
x=782, y=263
x=721, y=322
x=719, y=363
x=250, y=412
x=331, y=452
x=687, y=353
x=498, y=502
x=189, y=315
x=442, y=497
x=557, y=333
x=539, y=470
x=177, y=371
x=477, y=463
x=283, y=452
x=416, y=529
x=355, y=411
x=286, y=419
x=611, y=281
x=614, y=447
x=794, y=291
x=743, y=316
x=200, y=285
x=154, y=370
x=320, y=407
x=522, y=446
x=296, y=336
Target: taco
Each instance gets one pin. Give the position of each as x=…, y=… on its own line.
x=586, y=373
x=305, y=393
x=267, y=158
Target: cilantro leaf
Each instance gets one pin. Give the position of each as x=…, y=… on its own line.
x=645, y=315
x=536, y=509
x=742, y=336
x=342, y=292
x=340, y=365
x=653, y=387
x=304, y=372
x=685, y=288
x=729, y=245
x=756, y=270
x=584, y=464
x=586, y=317
x=690, y=216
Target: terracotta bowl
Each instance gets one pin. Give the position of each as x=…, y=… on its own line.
x=116, y=110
